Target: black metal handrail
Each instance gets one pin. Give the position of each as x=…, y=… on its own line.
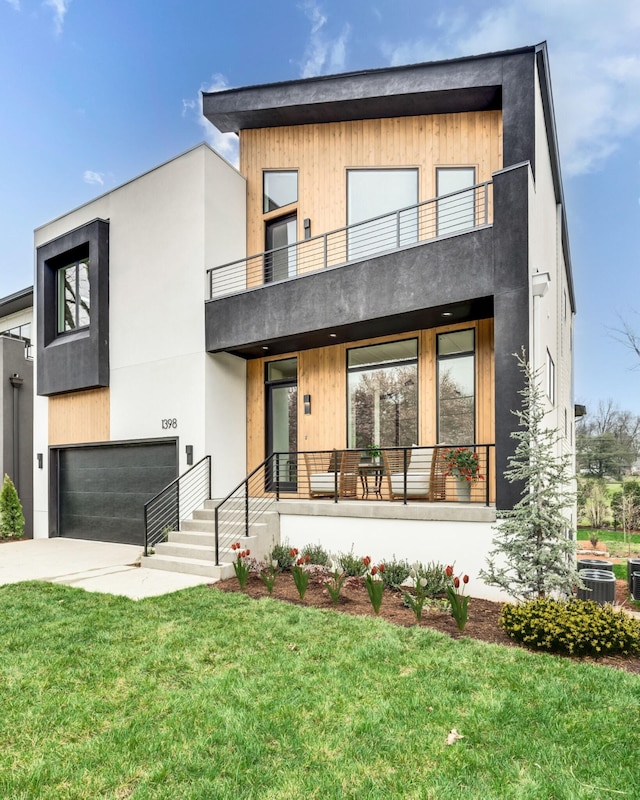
x=243, y=506
x=176, y=501
x=458, y=212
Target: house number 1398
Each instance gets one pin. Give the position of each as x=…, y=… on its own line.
x=169, y=423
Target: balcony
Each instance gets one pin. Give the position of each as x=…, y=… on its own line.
x=397, y=272
x=442, y=217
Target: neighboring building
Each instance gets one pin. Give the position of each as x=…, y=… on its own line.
x=16, y=397
x=410, y=230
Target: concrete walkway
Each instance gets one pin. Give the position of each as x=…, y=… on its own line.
x=94, y=566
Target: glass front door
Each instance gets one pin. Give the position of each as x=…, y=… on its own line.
x=280, y=261
x=282, y=424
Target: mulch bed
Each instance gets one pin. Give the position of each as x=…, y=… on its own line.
x=483, y=622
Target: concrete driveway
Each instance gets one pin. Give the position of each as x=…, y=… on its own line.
x=94, y=566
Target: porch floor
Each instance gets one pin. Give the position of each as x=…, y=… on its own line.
x=377, y=509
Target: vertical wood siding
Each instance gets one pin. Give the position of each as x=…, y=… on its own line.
x=79, y=417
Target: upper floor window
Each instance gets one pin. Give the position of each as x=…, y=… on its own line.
x=371, y=195
x=456, y=212
x=73, y=292
x=279, y=189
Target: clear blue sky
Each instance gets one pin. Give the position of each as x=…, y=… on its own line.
x=95, y=92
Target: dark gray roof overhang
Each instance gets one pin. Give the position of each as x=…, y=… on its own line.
x=473, y=83
x=19, y=301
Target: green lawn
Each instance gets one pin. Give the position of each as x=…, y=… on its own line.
x=205, y=695
x=607, y=536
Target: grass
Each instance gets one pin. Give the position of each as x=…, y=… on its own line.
x=205, y=695
x=607, y=536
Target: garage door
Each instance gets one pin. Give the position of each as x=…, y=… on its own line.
x=102, y=490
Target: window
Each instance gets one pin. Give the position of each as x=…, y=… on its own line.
x=551, y=378
x=73, y=296
x=455, y=213
x=281, y=258
x=279, y=189
x=382, y=382
x=373, y=193
x=456, y=387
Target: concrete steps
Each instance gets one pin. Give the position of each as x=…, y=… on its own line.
x=192, y=549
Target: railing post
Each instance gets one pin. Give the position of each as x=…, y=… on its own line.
x=217, y=528
x=246, y=507
x=486, y=488
x=209, y=471
x=486, y=204
x=146, y=531
x=278, y=474
x=397, y=228
x=326, y=250
x=335, y=476
x=405, y=467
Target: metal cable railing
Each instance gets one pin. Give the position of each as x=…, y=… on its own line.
x=178, y=500
x=398, y=473
x=449, y=214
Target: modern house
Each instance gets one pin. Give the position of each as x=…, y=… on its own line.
x=357, y=288
x=16, y=397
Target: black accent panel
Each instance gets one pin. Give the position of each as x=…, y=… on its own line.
x=102, y=489
x=79, y=359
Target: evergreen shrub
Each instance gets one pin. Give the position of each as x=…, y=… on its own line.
x=572, y=627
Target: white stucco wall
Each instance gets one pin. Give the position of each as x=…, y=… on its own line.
x=166, y=228
x=463, y=544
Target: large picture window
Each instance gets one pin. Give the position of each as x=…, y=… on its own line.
x=382, y=384
x=456, y=387
x=373, y=193
x=73, y=296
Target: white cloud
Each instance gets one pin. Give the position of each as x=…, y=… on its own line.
x=14, y=4
x=322, y=53
x=224, y=143
x=593, y=52
x=93, y=177
x=60, y=8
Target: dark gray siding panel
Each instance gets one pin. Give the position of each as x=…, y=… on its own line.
x=78, y=360
x=102, y=490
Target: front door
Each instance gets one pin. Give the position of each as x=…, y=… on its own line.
x=282, y=423
x=280, y=261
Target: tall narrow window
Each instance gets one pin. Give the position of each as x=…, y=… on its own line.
x=551, y=379
x=281, y=383
x=383, y=395
x=73, y=292
x=280, y=189
x=373, y=193
x=456, y=211
x=456, y=387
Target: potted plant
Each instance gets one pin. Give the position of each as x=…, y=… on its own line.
x=462, y=464
x=373, y=453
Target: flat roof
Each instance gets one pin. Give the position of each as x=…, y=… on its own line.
x=470, y=83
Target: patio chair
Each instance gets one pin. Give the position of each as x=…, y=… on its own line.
x=425, y=479
x=320, y=468
x=321, y=477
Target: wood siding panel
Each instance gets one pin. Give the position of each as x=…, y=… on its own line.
x=322, y=373
x=322, y=154
x=79, y=417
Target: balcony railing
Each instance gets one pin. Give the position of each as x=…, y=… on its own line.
x=458, y=212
